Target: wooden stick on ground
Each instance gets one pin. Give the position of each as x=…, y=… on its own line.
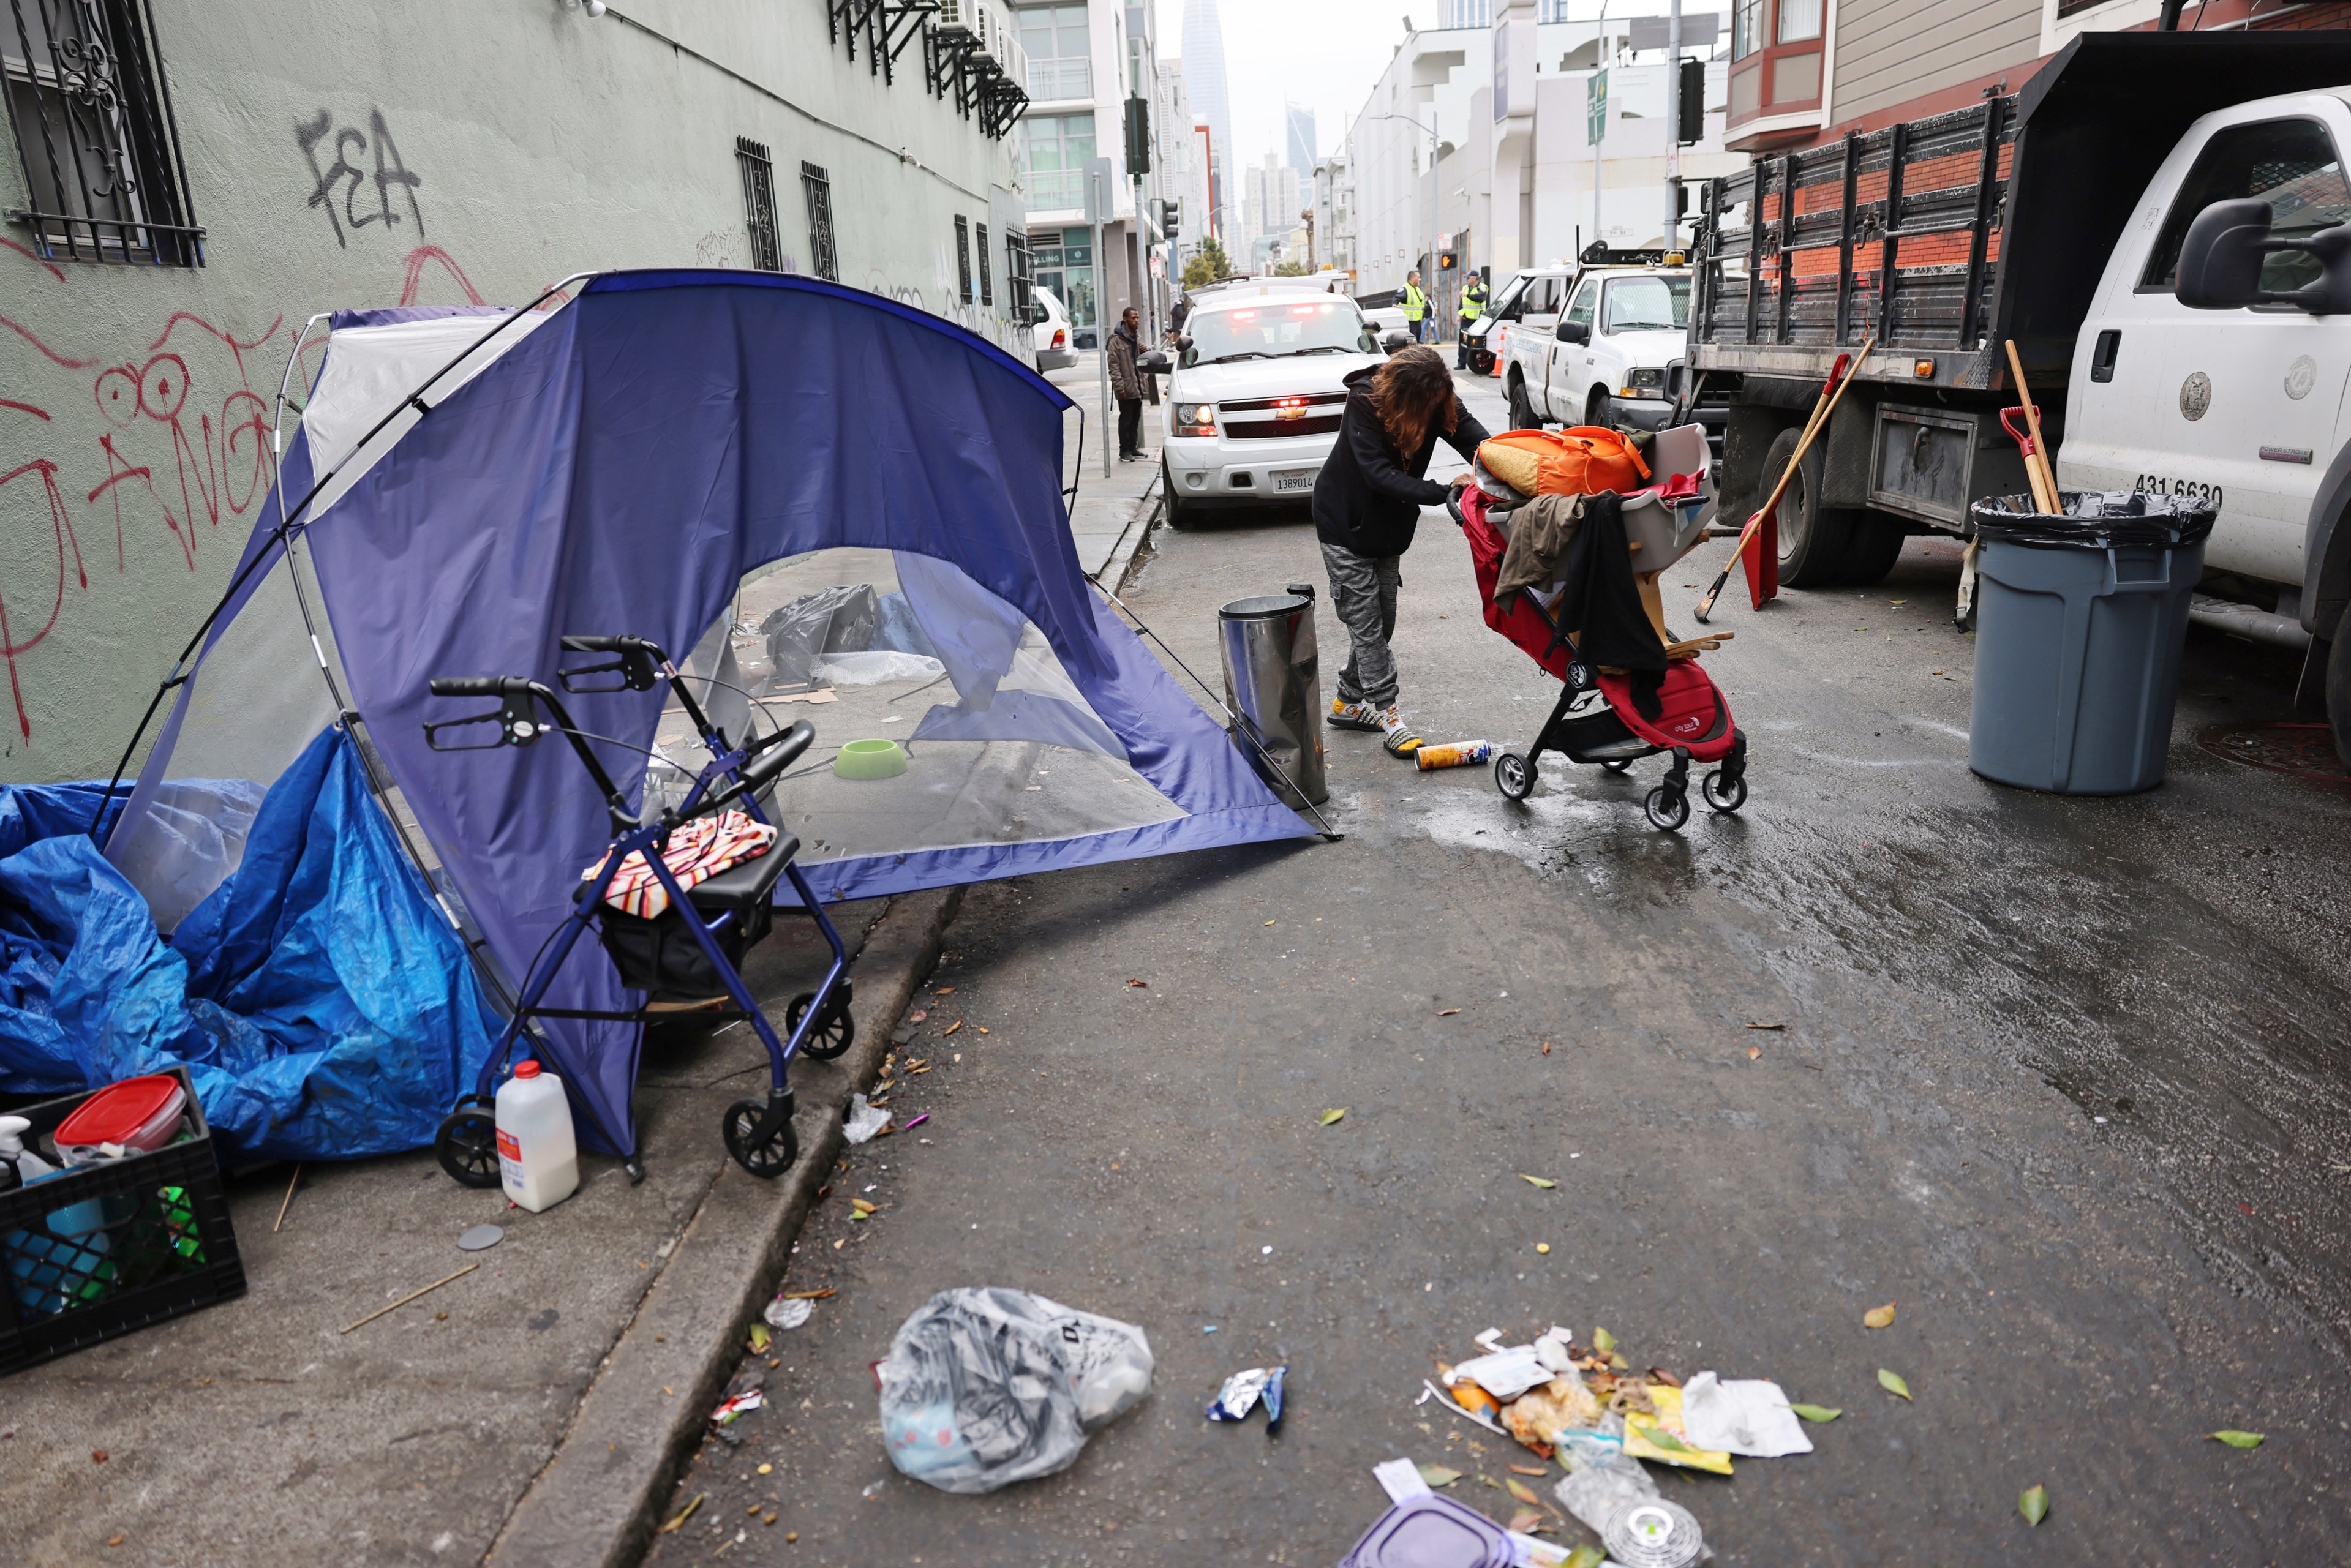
x=411, y=1296
x=290, y=1198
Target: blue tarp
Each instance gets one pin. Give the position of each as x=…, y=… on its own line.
x=322, y=1002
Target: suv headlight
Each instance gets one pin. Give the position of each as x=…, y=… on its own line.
x=1196, y=419
x=1640, y=381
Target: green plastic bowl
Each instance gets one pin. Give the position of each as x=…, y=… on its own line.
x=870, y=760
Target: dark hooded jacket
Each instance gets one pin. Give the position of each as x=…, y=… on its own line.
x=1369, y=496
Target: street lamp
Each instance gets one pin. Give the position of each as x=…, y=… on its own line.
x=1433, y=145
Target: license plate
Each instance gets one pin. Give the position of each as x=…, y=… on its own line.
x=1295, y=479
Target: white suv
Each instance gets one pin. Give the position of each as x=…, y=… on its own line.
x=1257, y=391
x=1603, y=360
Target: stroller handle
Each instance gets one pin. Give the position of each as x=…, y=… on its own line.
x=467, y=685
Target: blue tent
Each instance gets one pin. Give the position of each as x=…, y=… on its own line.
x=646, y=459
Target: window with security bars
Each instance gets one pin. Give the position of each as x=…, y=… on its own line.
x=92, y=114
x=816, y=186
x=963, y=259
x=1017, y=275
x=759, y=203
x=987, y=286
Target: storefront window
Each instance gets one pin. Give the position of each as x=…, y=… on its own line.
x=1064, y=264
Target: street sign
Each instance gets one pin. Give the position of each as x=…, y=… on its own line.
x=1595, y=108
x=1101, y=190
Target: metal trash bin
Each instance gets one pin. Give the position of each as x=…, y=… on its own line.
x=2080, y=621
x=1273, y=685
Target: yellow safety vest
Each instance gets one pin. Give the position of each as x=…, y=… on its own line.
x=1415, y=303
x=1473, y=305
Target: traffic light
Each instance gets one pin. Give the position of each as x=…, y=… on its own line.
x=1138, y=137
x=1171, y=218
x=1692, y=129
x=1446, y=261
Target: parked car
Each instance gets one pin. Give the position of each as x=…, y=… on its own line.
x=1385, y=310
x=1056, y=350
x=2171, y=282
x=1592, y=348
x=1255, y=394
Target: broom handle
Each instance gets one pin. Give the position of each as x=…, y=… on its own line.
x=2036, y=466
x=1827, y=406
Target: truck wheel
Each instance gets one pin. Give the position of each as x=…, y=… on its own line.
x=1876, y=545
x=1596, y=408
x=1813, y=538
x=2338, y=688
x=1522, y=413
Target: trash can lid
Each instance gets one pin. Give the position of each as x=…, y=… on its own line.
x=2094, y=519
x=1264, y=606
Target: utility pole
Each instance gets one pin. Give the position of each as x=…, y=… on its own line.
x=1098, y=189
x=1673, y=124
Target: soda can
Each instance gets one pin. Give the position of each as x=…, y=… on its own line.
x=1460, y=754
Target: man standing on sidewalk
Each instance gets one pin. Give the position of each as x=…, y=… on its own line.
x=1473, y=305
x=1415, y=308
x=1126, y=384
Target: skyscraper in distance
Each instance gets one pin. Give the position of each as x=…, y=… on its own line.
x=1204, y=82
x=1302, y=146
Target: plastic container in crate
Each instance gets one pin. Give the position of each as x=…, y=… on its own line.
x=100, y=1250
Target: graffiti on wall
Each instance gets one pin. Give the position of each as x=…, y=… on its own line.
x=358, y=159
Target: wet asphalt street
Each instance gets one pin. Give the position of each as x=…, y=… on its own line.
x=2065, y=1079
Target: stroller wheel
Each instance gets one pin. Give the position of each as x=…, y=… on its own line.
x=1724, y=794
x=1514, y=775
x=468, y=1144
x=832, y=1033
x=1623, y=765
x=1668, y=808
x=767, y=1158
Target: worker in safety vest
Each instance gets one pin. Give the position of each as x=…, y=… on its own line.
x=1473, y=305
x=1416, y=308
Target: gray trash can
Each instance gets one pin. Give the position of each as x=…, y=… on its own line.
x=2079, y=624
x=1273, y=684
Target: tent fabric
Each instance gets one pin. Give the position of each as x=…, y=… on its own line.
x=619, y=466
x=322, y=1002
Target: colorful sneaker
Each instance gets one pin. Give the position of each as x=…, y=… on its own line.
x=1354, y=715
x=1396, y=734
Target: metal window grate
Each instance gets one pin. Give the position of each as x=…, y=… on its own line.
x=986, y=284
x=963, y=259
x=759, y=203
x=1018, y=274
x=817, y=186
x=92, y=113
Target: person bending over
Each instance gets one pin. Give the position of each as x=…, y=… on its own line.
x=1367, y=502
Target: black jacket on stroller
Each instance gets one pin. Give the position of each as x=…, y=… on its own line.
x=1369, y=494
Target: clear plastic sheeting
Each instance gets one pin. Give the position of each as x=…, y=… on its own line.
x=984, y=1387
x=1001, y=747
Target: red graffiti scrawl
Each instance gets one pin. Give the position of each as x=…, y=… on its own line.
x=62, y=524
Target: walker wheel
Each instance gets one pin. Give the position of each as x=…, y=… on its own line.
x=1620, y=765
x=468, y=1144
x=1668, y=808
x=1725, y=794
x=1514, y=775
x=833, y=1031
x=766, y=1160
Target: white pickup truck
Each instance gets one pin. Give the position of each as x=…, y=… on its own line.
x=2158, y=222
x=1594, y=345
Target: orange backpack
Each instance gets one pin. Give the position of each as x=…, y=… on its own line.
x=1581, y=461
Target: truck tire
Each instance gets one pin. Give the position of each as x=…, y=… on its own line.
x=1876, y=544
x=1814, y=539
x=2338, y=688
x=1522, y=412
x=1596, y=408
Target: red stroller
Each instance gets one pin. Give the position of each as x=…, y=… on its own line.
x=1594, y=720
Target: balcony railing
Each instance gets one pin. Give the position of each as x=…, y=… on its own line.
x=1055, y=80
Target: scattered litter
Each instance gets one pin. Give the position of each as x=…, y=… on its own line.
x=1400, y=1478
x=1816, y=1412
x=1878, y=1317
x=1750, y=1417
x=1447, y=1012
x=1331, y=1116
x=1437, y=1476
x=1244, y=1391
x=951, y=1029
x=918, y=1016
x=1544, y=1182
x=282, y=1207
x=1892, y=1383
x=760, y=1339
x=684, y=1514
x=923, y=1117
x=1754, y=1052
x=1654, y=1534
x=1447, y=1400
x=984, y=1386
x=411, y=1296
x=2034, y=1504
x=1146, y=985
x=1432, y=1531
x=737, y=1404
x=1767, y=1026
x=1505, y=1374
x=859, y=1209
x=864, y=1120
x=481, y=1238
x=785, y=1313
x=1208, y=1328
x=2236, y=1439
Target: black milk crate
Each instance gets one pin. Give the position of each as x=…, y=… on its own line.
x=151, y=1240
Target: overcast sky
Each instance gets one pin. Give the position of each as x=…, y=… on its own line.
x=1322, y=55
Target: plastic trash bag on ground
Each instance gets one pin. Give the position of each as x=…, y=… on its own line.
x=2096, y=520
x=875, y=665
x=829, y=621
x=984, y=1387
x=1745, y=1415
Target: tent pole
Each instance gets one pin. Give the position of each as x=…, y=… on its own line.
x=1330, y=833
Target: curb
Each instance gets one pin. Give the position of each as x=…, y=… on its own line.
x=1148, y=508
x=594, y=1504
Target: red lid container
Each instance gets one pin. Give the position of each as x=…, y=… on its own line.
x=120, y=1111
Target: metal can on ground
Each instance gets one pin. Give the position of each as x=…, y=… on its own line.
x=1460, y=754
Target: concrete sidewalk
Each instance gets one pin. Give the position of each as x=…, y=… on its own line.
x=1112, y=511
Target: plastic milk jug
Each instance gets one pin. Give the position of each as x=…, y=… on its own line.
x=538, y=1162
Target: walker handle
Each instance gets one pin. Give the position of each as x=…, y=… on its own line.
x=466, y=686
